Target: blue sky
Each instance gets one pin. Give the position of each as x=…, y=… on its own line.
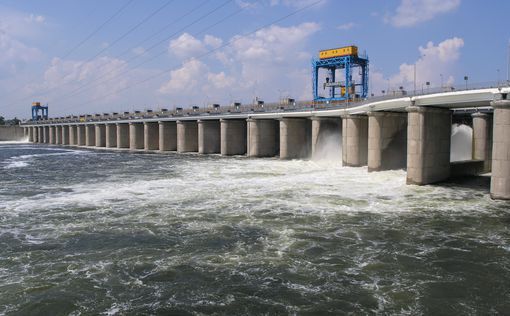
x=147, y=55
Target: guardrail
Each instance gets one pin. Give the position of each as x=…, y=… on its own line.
x=274, y=107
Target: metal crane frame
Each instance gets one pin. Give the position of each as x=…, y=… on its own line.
x=348, y=63
x=35, y=112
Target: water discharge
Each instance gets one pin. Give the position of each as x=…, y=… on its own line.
x=462, y=143
x=86, y=232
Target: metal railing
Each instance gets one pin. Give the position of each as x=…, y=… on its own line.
x=259, y=107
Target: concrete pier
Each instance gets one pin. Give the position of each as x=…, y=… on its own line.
x=428, y=144
x=58, y=134
x=187, y=136
x=73, y=135
x=100, y=135
x=81, y=135
x=387, y=141
x=40, y=134
x=111, y=135
x=52, y=136
x=65, y=135
x=295, y=138
x=209, y=136
x=167, y=136
x=354, y=140
x=30, y=131
x=35, y=132
x=233, y=137
x=482, y=139
x=90, y=135
x=263, y=138
x=136, y=137
x=500, y=180
x=151, y=135
x=326, y=137
x=122, y=135
x=46, y=134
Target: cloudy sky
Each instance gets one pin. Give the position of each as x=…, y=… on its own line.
x=100, y=56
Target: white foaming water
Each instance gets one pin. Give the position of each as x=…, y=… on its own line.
x=462, y=142
x=329, y=148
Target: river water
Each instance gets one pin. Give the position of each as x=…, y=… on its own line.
x=100, y=232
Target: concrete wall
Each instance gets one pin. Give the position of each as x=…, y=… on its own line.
x=428, y=145
x=209, y=137
x=500, y=180
x=111, y=135
x=187, y=136
x=387, y=141
x=263, y=138
x=100, y=135
x=167, y=136
x=136, y=136
x=295, y=138
x=151, y=135
x=122, y=135
x=233, y=137
x=354, y=140
x=65, y=135
x=90, y=135
x=82, y=135
x=58, y=134
x=73, y=135
x=482, y=139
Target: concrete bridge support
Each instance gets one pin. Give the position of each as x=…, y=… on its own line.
x=167, y=136
x=482, y=139
x=52, y=135
x=58, y=135
x=428, y=144
x=100, y=135
x=500, y=180
x=90, y=135
x=326, y=137
x=65, y=135
x=31, y=137
x=187, y=136
x=233, y=137
x=136, y=137
x=387, y=141
x=39, y=134
x=354, y=140
x=111, y=135
x=263, y=138
x=122, y=135
x=73, y=135
x=81, y=135
x=295, y=138
x=151, y=135
x=46, y=134
x=209, y=136
x=35, y=131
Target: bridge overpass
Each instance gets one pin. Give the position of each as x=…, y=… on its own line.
x=397, y=132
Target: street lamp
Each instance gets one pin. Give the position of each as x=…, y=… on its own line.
x=441, y=75
x=415, y=72
x=427, y=84
x=498, y=76
x=466, y=80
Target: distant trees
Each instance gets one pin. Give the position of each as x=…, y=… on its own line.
x=14, y=121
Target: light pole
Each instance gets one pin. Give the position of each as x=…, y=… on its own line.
x=441, y=75
x=427, y=84
x=498, y=76
x=466, y=80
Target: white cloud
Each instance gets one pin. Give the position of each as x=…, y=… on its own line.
x=32, y=18
x=297, y=3
x=261, y=64
x=412, y=12
x=434, y=61
x=186, y=46
x=346, y=26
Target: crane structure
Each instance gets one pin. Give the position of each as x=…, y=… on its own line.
x=39, y=112
x=340, y=87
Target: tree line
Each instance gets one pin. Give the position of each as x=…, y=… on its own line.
x=14, y=121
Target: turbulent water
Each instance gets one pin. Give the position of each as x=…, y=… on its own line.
x=95, y=232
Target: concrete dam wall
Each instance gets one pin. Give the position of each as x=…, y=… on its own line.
x=11, y=133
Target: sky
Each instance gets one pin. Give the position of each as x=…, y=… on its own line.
x=96, y=56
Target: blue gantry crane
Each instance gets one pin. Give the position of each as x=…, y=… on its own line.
x=39, y=112
x=340, y=87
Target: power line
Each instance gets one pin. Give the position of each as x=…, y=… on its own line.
x=233, y=40
x=94, y=32
x=132, y=29
x=96, y=83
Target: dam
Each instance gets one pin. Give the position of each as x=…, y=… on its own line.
x=406, y=132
